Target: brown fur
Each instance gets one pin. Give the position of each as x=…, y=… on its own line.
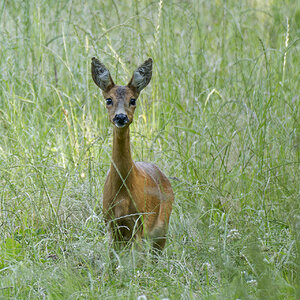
x=137, y=196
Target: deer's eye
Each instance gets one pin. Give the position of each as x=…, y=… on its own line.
x=132, y=102
x=109, y=101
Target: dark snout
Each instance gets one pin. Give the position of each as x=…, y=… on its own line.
x=120, y=120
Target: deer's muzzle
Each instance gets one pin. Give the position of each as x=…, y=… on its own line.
x=120, y=120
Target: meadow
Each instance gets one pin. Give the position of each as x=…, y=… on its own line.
x=220, y=118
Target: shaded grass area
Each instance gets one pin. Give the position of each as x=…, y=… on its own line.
x=220, y=117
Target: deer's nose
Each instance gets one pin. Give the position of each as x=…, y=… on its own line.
x=120, y=120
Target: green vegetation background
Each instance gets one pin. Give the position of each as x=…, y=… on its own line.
x=220, y=117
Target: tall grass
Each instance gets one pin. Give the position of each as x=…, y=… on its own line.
x=220, y=117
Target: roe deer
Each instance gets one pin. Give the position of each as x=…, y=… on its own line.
x=137, y=196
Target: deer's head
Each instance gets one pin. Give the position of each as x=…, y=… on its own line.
x=121, y=100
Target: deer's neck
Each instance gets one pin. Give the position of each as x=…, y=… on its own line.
x=122, y=163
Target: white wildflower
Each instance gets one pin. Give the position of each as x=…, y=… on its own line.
x=252, y=282
x=234, y=234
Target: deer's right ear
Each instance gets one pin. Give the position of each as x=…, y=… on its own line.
x=101, y=75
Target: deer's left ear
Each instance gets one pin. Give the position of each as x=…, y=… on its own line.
x=141, y=76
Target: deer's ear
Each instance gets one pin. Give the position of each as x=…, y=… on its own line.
x=141, y=76
x=101, y=75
